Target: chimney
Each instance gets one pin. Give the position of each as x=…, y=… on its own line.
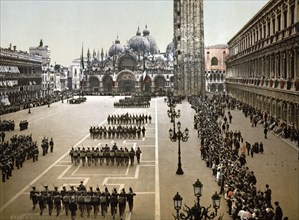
x=14, y=47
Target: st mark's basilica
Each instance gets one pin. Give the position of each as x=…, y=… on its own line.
x=136, y=67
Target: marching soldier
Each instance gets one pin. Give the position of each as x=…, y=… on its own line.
x=143, y=131
x=96, y=155
x=95, y=200
x=112, y=157
x=104, y=200
x=83, y=156
x=138, y=153
x=101, y=156
x=89, y=156
x=81, y=187
x=87, y=201
x=50, y=202
x=34, y=196
x=41, y=203
x=42, y=200
x=107, y=154
x=57, y=200
x=65, y=200
x=130, y=199
x=72, y=154
x=127, y=156
x=132, y=155
x=122, y=200
x=73, y=207
x=81, y=202
x=122, y=156
x=113, y=203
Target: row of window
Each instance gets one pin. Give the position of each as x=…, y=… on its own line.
x=273, y=24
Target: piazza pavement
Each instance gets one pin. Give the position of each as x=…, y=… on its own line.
x=154, y=180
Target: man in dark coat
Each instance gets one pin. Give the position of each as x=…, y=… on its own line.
x=278, y=211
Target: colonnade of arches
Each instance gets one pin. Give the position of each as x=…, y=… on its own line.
x=281, y=109
x=127, y=82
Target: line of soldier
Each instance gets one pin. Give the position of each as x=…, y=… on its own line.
x=133, y=102
x=23, y=125
x=15, y=153
x=46, y=144
x=7, y=125
x=105, y=155
x=129, y=119
x=82, y=199
x=120, y=132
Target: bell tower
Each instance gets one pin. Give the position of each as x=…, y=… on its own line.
x=189, y=63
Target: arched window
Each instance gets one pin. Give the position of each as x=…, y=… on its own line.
x=214, y=61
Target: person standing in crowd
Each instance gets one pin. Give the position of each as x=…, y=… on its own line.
x=51, y=145
x=265, y=132
x=268, y=194
x=278, y=211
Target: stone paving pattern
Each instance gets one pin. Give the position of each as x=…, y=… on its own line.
x=154, y=179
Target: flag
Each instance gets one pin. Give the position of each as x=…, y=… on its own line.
x=81, y=68
x=143, y=78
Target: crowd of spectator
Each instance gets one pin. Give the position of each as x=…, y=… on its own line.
x=221, y=152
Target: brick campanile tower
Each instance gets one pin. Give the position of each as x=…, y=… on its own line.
x=189, y=63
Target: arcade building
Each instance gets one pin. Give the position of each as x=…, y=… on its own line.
x=263, y=63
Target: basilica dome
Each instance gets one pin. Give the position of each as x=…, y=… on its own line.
x=139, y=43
x=170, y=48
x=116, y=48
x=153, y=45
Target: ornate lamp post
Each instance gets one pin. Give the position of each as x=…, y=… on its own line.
x=178, y=136
x=172, y=114
x=197, y=212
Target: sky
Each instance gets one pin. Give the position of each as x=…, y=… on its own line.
x=66, y=25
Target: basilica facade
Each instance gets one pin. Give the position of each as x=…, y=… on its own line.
x=126, y=69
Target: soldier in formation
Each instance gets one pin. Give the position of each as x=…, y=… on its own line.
x=127, y=118
x=7, y=125
x=83, y=200
x=133, y=102
x=15, y=152
x=110, y=156
x=117, y=132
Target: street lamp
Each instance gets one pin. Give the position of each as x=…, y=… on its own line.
x=178, y=136
x=172, y=114
x=197, y=212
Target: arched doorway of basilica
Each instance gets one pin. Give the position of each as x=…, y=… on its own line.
x=107, y=83
x=146, y=84
x=126, y=82
x=94, y=84
x=212, y=88
x=220, y=88
x=159, y=84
